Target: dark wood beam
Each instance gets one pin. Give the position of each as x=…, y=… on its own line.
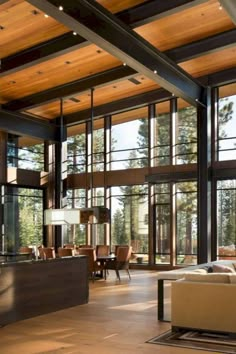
x=204, y=46
x=21, y=124
x=134, y=17
x=72, y=88
x=99, y=26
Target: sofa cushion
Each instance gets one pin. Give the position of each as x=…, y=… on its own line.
x=208, y=278
x=221, y=268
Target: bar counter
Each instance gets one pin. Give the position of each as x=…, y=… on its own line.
x=32, y=288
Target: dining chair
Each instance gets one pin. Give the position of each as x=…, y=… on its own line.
x=121, y=262
x=69, y=245
x=102, y=250
x=117, y=246
x=47, y=253
x=27, y=251
x=93, y=265
x=65, y=252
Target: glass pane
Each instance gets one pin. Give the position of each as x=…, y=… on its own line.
x=76, y=153
x=129, y=210
x=23, y=218
x=161, y=135
x=186, y=136
x=186, y=222
x=226, y=219
x=226, y=130
x=29, y=157
x=131, y=152
x=98, y=150
x=75, y=234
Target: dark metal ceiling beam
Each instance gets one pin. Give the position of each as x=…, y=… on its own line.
x=72, y=88
x=230, y=8
x=41, y=52
x=92, y=21
x=204, y=46
x=216, y=79
x=21, y=124
x=180, y=54
x=220, y=78
x=118, y=106
x=153, y=10
x=134, y=17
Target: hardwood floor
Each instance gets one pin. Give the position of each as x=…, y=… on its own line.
x=119, y=318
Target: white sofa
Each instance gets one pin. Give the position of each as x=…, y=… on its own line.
x=176, y=274
x=204, y=302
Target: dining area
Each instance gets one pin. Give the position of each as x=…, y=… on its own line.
x=100, y=257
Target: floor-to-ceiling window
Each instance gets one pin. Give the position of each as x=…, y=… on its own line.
x=129, y=140
x=129, y=224
x=226, y=219
x=186, y=222
x=23, y=217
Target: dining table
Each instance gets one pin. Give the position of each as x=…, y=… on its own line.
x=104, y=259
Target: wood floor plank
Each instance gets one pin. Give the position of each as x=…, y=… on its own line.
x=119, y=318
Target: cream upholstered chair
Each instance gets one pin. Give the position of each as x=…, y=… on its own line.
x=65, y=252
x=93, y=265
x=121, y=262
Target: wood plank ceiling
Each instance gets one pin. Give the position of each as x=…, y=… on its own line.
x=43, y=61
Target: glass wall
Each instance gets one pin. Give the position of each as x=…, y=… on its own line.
x=186, y=134
x=226, y=135
x=129, y=140
x=162, y=220
x=76, y=153
x=226, y=219
x=129, y=224
x=23, y=218
x=75, y=234
x=161, y=150
x=25, y=153
x=186, y=222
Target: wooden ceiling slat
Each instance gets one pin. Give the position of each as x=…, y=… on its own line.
x=23, y=28
x=187, y=26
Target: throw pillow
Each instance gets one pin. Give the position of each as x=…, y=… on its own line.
x=219, y=268
x=207, y=278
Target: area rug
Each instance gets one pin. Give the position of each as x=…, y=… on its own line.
x=212, y=342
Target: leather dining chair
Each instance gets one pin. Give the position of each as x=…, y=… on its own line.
x=65, y=252
x=102, y=250
x=47, y=253
x=93, y=265
x=121, y=262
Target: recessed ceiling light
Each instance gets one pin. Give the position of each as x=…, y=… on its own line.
x=155, y=71
x=124, y=64
x=74, y=33
x=99, y=51
x=220, y=6
x=67, y=62
x=46, y=16
x=1, y=28
x=61, y=8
